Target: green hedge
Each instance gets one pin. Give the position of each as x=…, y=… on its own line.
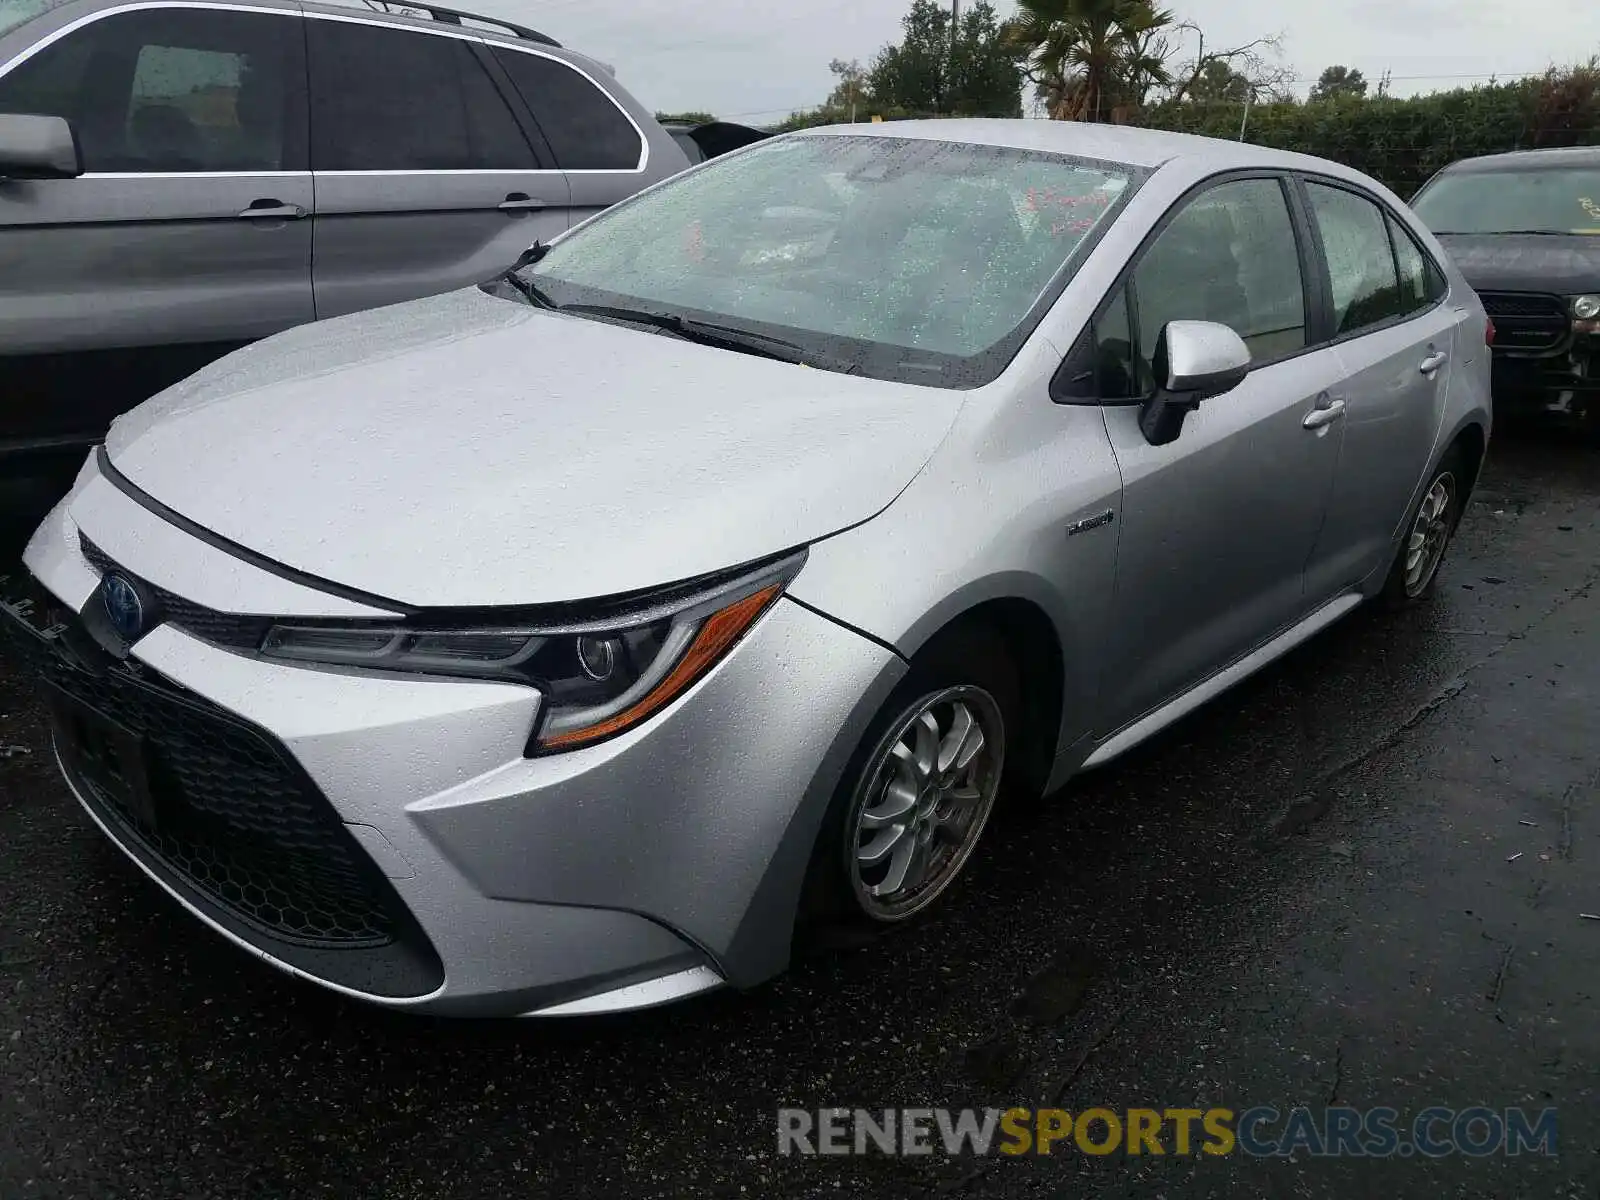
x=1404, y=141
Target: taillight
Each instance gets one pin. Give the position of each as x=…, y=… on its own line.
x=1488, y=331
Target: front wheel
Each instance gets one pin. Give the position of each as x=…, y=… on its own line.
x=918, y=794
x=1432, y=524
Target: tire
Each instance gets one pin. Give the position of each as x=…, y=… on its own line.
x=1412, y=582
x=968, y=669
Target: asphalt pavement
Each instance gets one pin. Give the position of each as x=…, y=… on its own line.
x=1357, y=879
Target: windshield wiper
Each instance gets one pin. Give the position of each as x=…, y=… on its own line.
x=530, y=291
x=1508, y=233
x=712, y=333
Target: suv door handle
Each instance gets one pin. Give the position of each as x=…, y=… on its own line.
x=272, y=210
x=1432, y=363
x=1325, y=413
x=521, y=202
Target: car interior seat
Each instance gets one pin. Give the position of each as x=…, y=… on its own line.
x=166, y=137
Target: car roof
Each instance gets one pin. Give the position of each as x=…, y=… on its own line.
x=426, y=15
x=1148, y=148
x=1519, y=160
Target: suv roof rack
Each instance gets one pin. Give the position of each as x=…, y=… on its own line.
x=454, y=16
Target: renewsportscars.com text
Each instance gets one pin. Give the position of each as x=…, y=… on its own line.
x=1259, y=1132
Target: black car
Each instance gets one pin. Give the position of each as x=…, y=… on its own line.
x=1524, y=228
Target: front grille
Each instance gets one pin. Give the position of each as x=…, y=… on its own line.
x=1527, y=322
x=234, y=631
x=215, y=806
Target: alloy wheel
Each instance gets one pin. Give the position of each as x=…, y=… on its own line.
x=924, y=800
x=1429, y=533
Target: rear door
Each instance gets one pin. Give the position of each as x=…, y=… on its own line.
x=425, y=179
x=187, y=235
x=596, y=142
x=1397, y=338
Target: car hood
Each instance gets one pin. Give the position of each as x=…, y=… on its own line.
x=466, y=450
x=1567, y=266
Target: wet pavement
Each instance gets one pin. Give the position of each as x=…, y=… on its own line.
x=1305, y=894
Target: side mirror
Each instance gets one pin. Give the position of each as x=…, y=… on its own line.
x=1193, y=361
x=37, y=147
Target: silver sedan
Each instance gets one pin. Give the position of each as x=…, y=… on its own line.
x=570, y=643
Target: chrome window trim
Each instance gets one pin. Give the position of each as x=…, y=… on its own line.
x=193, y=175
x=460, y=34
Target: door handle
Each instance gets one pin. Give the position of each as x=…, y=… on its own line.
x=1325, y=413
x=272, y=210
x=521, y=202
x=1432, y=363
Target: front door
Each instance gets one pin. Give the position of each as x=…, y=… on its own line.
x=426, y=181
x=187, y=235
x=1216, y=527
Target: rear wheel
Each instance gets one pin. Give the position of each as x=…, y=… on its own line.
x=917, y=796
x=1432, y=523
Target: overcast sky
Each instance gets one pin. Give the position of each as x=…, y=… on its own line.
x=758, y=60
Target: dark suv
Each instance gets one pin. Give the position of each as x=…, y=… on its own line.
x=1525, y=230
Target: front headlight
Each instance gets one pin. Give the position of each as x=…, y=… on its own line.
x=598, y=677
x=1585, y=308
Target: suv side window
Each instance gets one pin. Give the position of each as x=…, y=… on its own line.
x=1420, y=283
x=385, y=99
x=1361, y=261
x=172, y=89
x=585, y=128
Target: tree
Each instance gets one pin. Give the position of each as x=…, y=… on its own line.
x=1219, y=82
x=852, y=92
x=1336, y=82
x=911, y=75
x=1088, y=59
x=975, y=73
x=985, y=70
x=1258, y=64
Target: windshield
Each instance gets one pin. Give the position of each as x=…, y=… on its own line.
x=1550, y=200
x=907, y=259
x=15, y=12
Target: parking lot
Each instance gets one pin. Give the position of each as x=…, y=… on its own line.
x=1356, y=879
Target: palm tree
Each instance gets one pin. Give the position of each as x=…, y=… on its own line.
x=1090, y=57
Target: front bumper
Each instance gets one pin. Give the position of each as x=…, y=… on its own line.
x=1566, y=383
x=475, y=881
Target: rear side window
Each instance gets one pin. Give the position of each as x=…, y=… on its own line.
x=391, y=100
x=1421, y=285
x=1361, y=262
x=585, y=128
x=173, y=90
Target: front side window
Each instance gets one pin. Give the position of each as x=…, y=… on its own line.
x=1229, y=256
x=386, y=99
x=586, y=131
x=1361, y=263
x=165, y=90
x=1542, y=200
x=912, y=259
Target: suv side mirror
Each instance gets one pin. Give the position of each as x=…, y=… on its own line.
x=38, y=147
x=1193, y=361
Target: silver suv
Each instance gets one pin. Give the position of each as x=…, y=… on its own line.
x=166, y=170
